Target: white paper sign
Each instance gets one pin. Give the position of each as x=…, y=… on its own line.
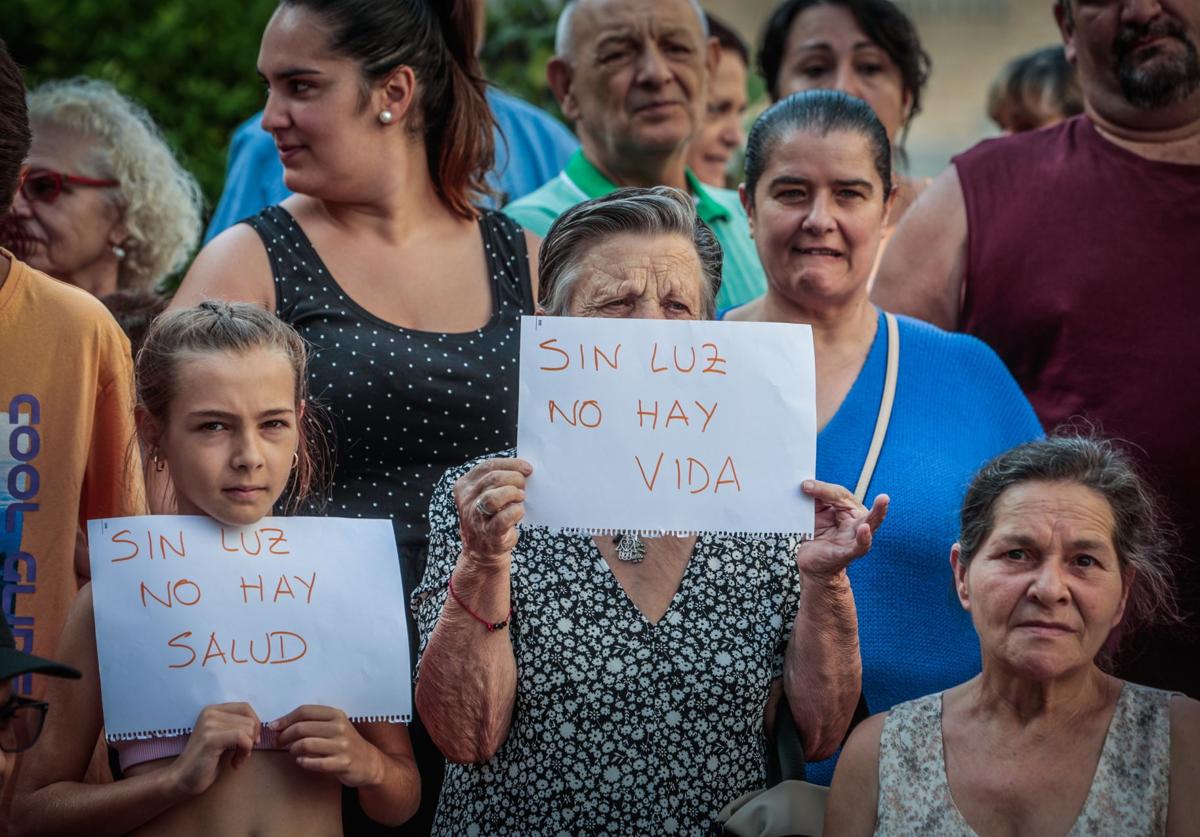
x=289, y=611
x=656, y=426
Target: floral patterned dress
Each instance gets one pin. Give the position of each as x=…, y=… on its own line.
x=621, y=726
x=1128, y=793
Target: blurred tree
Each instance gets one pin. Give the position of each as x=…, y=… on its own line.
x=190, y=62
x=520, y=40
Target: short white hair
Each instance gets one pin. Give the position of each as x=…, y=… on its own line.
x=562, y=30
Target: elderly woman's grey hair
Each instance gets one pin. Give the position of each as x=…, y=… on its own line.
x=159, y=201
x=657, y=211
x=1143, y=539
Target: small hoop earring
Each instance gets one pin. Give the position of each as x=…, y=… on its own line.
x=295, y=458
x=386, y=117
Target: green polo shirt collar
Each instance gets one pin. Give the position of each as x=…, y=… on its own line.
x=589, y=180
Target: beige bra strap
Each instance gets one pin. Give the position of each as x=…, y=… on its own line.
x=885, y=406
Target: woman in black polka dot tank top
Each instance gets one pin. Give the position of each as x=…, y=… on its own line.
x=409, y=295
x=406, y=404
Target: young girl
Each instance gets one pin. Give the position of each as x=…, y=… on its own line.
x=221, y=400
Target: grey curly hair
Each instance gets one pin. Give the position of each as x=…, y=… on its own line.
x=159, y=201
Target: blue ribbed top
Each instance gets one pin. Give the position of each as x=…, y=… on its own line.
x=956, y=407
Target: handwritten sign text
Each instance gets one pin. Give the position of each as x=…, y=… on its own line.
x=651, y=425
x=289, y=611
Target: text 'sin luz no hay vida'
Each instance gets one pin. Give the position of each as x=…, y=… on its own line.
x=649, y=426
x=690, y=474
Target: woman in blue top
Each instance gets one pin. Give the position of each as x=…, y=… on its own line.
x=818, y=190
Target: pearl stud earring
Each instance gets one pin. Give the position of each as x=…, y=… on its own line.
x=385, y=117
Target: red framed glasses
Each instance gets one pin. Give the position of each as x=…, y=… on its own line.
x=44, y=185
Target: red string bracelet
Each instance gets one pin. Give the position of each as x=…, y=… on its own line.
x=492, y=627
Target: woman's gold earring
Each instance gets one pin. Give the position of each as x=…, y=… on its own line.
x=295, y=458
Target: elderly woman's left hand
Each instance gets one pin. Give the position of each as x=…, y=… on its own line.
x=842, y=529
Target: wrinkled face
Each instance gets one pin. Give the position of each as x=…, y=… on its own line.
x=74, y=234
x=826, y=50
x=639, y=277
x=1045, y=588
x=638, y=74
x=314, y=109
x=1145, y=53
x=817, y=216
x=231, y=434
x=722, y=133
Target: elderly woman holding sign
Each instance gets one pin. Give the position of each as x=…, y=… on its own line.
x=579, y=686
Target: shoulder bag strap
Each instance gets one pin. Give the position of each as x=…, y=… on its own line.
x=785, y=753
x=785, y=749
x=885, y=406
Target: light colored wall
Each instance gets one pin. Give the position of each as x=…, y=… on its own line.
x=968, y=40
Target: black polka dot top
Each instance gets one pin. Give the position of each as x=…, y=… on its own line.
x=405, y=405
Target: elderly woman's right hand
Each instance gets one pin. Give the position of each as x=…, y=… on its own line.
x=490, y=499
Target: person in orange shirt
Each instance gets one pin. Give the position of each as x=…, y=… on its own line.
x=66, y=418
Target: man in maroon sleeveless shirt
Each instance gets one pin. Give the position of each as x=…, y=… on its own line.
x=1074, y=251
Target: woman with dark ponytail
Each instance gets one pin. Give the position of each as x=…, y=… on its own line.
x=407, y=292
x=464, y=138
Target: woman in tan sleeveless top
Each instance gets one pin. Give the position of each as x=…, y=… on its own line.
x=1060, y=544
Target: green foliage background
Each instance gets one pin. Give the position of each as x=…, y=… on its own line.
x=191, y=62
x=520, y=40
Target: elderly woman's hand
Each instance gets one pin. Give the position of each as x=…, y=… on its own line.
x=490, y=499
x=842, y=529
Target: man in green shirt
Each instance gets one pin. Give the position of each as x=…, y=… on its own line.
x=632, y=77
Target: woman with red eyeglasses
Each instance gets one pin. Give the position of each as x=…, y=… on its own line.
x=104, y=204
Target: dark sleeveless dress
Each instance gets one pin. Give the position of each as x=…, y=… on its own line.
x=404, y=406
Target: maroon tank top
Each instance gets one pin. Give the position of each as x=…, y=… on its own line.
x=1083, y=273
